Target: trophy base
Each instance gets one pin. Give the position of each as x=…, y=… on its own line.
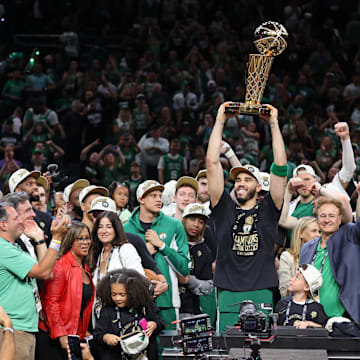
x=247, y=109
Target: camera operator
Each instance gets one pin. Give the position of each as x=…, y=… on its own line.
x=23, y=180
x=42, y=189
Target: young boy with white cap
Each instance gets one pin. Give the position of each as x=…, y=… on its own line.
x=302, y=308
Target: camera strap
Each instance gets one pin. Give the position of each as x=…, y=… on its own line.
x=288, y=311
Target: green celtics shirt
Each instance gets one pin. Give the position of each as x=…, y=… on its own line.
x=173, y=166
x=174, y=258
x=16, y=289
x=301, y=210
x=329, y=292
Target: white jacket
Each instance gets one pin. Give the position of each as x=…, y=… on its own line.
x=125, y=256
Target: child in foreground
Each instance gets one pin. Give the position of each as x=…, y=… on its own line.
x=301, y=309
x=127, y=307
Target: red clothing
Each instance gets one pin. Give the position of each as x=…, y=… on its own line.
x=61, y=300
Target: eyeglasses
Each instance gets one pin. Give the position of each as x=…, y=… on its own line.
x=83, y=239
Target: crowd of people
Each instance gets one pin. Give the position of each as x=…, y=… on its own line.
x=132, y=200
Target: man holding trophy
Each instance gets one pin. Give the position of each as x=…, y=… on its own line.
x=246, y=230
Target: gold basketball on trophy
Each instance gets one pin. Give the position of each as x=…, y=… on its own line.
x=270, y=40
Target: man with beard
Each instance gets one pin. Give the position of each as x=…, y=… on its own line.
x=71, y=198
x=23, y=180
x=246, y=230
x=203, y=198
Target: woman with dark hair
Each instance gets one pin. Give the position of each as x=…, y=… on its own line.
x=128, y=307
x=120, y=193
x=111, y=249
x=67, y=298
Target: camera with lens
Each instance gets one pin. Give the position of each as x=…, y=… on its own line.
x=57, y=176
x=251, y=320
x=58, y=181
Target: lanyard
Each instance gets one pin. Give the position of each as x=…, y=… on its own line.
x=107, y=263
x=323, y=260
x=119, y=320
x=288, y=311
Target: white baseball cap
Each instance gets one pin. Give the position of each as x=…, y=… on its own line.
x=304, y=169
x=148, y=186
x=168, y=194
x=80, y=183
x=19, y=176
x=265, y=181
x=195, y=209
x=92, y=189
x=103, y=203
x=313, y=278
x=250, y=169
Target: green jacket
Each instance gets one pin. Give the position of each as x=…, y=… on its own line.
x=174, y=258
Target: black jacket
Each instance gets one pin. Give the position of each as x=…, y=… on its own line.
x=44, y=220
x=107, y=324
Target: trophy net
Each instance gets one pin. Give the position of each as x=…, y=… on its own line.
x=258, y=73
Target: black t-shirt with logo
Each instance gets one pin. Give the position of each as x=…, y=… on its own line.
x=315, y=312
x=245, y=244
x=201, y=267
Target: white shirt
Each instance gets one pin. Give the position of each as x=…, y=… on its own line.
x=124, y=256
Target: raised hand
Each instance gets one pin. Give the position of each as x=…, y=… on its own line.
x=342, y=130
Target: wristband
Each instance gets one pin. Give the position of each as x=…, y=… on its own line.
x=230, y=153
x=54, y=245
x=279, y=170
x=57, y=241
x=9, y=329
x=40, y=242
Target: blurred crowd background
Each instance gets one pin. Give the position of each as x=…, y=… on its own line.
x=93, y=82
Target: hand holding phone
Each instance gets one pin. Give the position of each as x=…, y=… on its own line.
x=74, y=345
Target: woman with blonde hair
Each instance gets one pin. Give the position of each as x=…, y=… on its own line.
x=305, y=230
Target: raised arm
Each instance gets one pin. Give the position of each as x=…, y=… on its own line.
x=215, y=174
x=279, y=168
x=87, y=149
x=287, y=221
x=229, y=154
x=319, y=190
x=43, y=269
x=348, y=161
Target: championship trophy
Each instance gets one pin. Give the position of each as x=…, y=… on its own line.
x=270, y=41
